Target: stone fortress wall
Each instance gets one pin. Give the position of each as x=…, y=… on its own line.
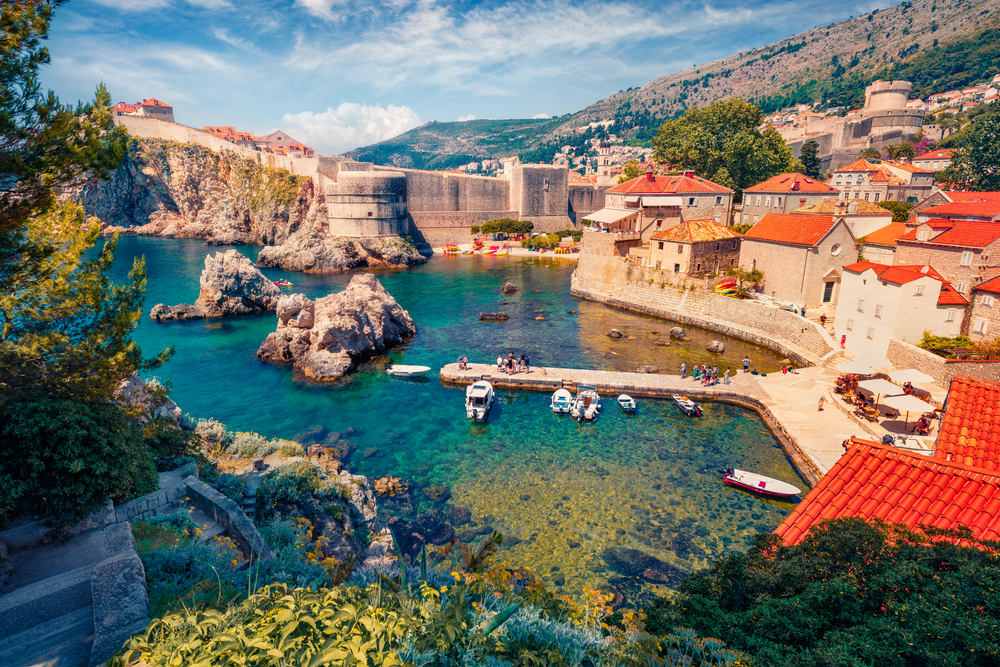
x=435, y=208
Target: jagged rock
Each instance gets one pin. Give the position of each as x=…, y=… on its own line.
x=347, y=328
x=232, y=285
x=508, y=288
x=295, y=310
x=389, y=486
x=615, y=333
x=312, y=250
x=679, y=333
x=716, y=346
x=494, y=317
x=134, y=395
x=661, y=341
x=647, y=369
x=184, y=311
x=459, y=515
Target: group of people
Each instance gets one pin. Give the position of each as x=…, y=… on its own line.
x=512, y=365
x=708, y=376
x=463, y=363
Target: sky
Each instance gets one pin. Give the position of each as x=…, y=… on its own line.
x=339, y=74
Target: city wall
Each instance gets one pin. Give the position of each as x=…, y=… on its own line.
x=603, y=275
x=906, y=355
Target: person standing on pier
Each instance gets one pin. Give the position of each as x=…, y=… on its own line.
x=499, y=363
x=725, y=378
x=746, y=364
x=684, y=369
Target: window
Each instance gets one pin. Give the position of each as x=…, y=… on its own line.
x=918, y=290
x=850, y=325
x=755, y=219
x=849, y=177
x=545, y=187
x=767, y=202
x=699, y=268
x=735, y=244
x=987, y=300
x=839, y=176
x=861, y=179
x=980, y=327
x=878, y=254
x=718, y=201
x=861, y=305
x=876, y=196
x=922, y=235
x=967, y=258
x=961, y=287
x=659, y=223
x=871, y=333
x=692, y=201
x=835, y=249
x=950, y=315
x=777, y=202
x=866, y=196
x=660, y=244
x=701, y=249
x=677, y=268
x=718, y=247
x=732, y=262
x=758, y=200
x=878, y=310
x=680, y=248
x=657, y=265
x=746, y=218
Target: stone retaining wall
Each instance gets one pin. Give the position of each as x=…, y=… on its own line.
x=242, y=530
x=906, y=355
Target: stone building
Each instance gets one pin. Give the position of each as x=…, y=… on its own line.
x=782, y=194
x=802, y=256
x=694, y=248
x=959, y=249
x=861, y=216
x=978, y=210
x=934, y=160
x=151, y=108
x=876, y=180
x=880, y=246
x=279, y=142
x=984, y=313
x=604, y=159
x=879, y=302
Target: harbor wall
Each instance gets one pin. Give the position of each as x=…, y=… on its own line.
x=906, y=355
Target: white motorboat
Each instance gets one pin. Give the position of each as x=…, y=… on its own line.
x=689, y=407
x=767, y=486
x=562, y=401
x=627, y=404
x=478, y=400
x=587, y=404
x=403, y=371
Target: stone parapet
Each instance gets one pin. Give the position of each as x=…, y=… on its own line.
x=905, y=355
x=241, y=529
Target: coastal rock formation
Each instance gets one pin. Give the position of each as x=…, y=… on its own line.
x=230, y=285
x=679, y=333
x=716, y=346
x=661, y=341
x=615, y=333
x=137, y=397
x=647, y=369
x=326, y=338
x=508, y=288
x=312, y=250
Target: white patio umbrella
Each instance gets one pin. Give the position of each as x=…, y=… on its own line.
x=910, y=375
x=876, y=360
x=855, y=367
x=907, y=403
x=880, y=387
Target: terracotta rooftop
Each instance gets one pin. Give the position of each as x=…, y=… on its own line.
x=153, y=102
x=794, y=228
x=949, y=296
x=830, y=206
x=860, y=165
x=964, y=233
x=970, y=429
x=667, y=185
x=792, y=182
x=944, y=154
x=886, y=235
x=874, y=481
x=696, y=231
x=991, y=285
x=902, y=274
x=980, y=209
x=973, y=196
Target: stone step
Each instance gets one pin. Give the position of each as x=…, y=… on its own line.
x=64, y=641
x=209, y=527
x=44, y=600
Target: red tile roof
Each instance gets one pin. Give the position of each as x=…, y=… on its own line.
x=982, y=209
x=970, y=429
x=886, y=235
x=153, y=102
x=944, y=154
x=991, y=285
x=859, y=165
x=667, y=185
x=899, y=274
x=697, y=231
x=794, y=228
x=912, y=168
x=793, y=182
x=949, y=296
x=964, y=233
x=874, y=481
x=973, y=196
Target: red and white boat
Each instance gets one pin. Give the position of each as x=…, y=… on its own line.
x=767, y=486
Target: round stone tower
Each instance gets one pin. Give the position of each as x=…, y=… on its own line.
x=367, y=203
x=887, y=94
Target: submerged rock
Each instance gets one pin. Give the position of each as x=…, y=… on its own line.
x=508, y=288
x=325, y=339
x=661, y=341
x=716, y=346
x=615, y=333
x=679, y=333
x=634, y=563
x=647, y=369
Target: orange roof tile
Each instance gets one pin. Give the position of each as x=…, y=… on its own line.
x=667, y=185
x=970, y=429
x=912, y=168
x=973, y=196
x=859, y=165
x=981, y=209
x=792, y=182
x=949, y=296
x=794, y=228
x=991, y=285
x=944, y=154
x=830, y=206
x=696, y=231
x=153, y=102
x=964, y=233
x=898, y=274
x=886, y=235
x=877, y=481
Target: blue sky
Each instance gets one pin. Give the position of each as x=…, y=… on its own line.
x=337, y=74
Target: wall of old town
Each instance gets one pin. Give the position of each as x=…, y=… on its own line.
x=904, y=355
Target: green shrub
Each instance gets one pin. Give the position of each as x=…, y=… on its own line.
x=213, y=433
x=900, y=209
x=150, y=538
x=939, y=345
x=63, y=459
x=180, y=521
x=231, y=486
x=507, y=226
x=170, y=445
x=288, y=483
x=475, y=229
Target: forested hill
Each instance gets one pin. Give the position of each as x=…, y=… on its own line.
x=937, y=44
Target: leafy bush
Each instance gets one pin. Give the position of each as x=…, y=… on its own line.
x=541, y=241
x=192, y=574
x=180, y=521
x=288, y=483
x=507, y=226
x=150, y=538
x=251, y=446
x=900, y=209
x=939, y=345
x=213, y=433
x=169, y=444
x=231, y=486
x=475, y=229
x=63, y=459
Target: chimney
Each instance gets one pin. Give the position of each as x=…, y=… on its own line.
x=689, y=173
x=649, y=175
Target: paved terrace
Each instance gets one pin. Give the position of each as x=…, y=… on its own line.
x=788, y=403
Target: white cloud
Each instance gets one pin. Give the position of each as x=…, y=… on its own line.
x=322, y=8
x=462, y=119
x=541, y=115
x=133, y=5
x=349, y=125
x=210, y=4
x=238, y=42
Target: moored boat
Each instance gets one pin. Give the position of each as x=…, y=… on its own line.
x=627, y=404
x=404, y=371
x=767, y=486
x=587, y=404
x=689, y=407
x=562, y=401
x=478, y=400
x=282, y=283
x=452, y=250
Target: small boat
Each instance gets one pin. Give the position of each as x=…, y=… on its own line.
x=627, y=404
x=478, y=400
x=562, y=401
x=282, y=283
x=452, y=250
x=689, y=407
x=403, y=371
x=587, y=404
x=767, y=486
x=492, y=250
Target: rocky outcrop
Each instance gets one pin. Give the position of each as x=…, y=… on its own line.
x=716, y=346
x=325, y=339
x=230, y=285
x=615, y=333
x=312, y=250
x=146, y=402
x=679, y=333
x=647, y=369
x=508, y=288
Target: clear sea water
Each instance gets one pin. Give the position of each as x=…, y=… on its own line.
x=562, y=493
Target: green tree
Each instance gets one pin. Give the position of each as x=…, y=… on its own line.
x=507, y=226
x=65, y=330
x=901, y=151
x=750, y=277
x=724, y=135
x=976, y=162
x=900, y=209
x=631, y=170
x=808, y=156
x=871, y=153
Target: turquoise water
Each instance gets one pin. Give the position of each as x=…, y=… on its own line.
x=562, y=493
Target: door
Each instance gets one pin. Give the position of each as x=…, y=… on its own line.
x=827, y=292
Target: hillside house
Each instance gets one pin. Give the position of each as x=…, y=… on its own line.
x=934, y=160
x=282, y=144
x=959, y=249
x=880, y=246
x=151, y=108
x=861, y=216
x=782, y=194
x=875, y=180
x=879, y=302
x=802, y=256
x=984, y=312
x=694, y=248
x=971, y=209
